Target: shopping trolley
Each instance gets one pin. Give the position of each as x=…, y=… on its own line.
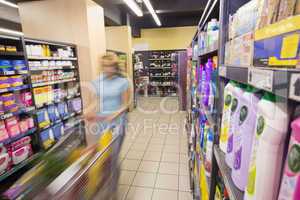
x=94, y=175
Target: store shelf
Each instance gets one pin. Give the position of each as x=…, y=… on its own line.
x=10, y=140
x=58, y=101
x=51, y=68
x=14, y=89
x=153, y=68
x=53, y=82
x=20, y=166
x=7, y=53
x=60, y=121
x=234, y=192
x=209, y=50
x=162, y=76
x=275, y=80
x=49, y=58
x=70, y=126
x=160, y=59
x=7, y=73
x=20, y=111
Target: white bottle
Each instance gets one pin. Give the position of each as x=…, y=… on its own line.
x=267, y=149
x=226, y=116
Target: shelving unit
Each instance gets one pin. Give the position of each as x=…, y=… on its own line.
x=159, y=72
x=280, y=81
x=72, y=122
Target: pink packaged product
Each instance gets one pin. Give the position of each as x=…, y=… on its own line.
x=5, y=162
x=3, y=132
x=26, y=99
x=12, y=126
x=24, y=126
x=30, y=122
x=2, y=150
x=21, y=154
x=20, y=143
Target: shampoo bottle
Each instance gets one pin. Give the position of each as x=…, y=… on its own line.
x=290, y=186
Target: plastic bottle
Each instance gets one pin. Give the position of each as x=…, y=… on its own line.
x=290, y=186
x=228, y=90
x=235, y=107
x=242, y=137
x=267, y=149
x=209, y=152
x=208, y=73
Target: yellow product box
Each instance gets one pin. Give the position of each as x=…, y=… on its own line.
x=278, y=45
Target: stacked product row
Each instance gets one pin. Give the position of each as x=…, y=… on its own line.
x=254, y=129
x=42, y=85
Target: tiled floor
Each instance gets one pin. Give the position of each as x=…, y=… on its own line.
x=154, y=162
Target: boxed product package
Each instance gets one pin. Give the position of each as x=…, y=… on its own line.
x=62, y=109
x=241, y=53
x=30, y=122
x=4, y=82
x=58, y=131
x=227, y=53
x=3, y=132
x=21, y=154
x=16, y=81
x=267, y=12
x=43, y=95
x=47, y=138
x=19, y=65
x=297, y=8
x=12, y=126
x=5, y=66
x=20, y=143
x=43, y=118
x=53, y=113
x=9, y=102
x=25, y=99
x=24, y=126
x=286, y=9
x=5, y=162
x=278, y=45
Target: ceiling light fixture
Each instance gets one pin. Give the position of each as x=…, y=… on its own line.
x=151, y=10
x=8, y=31
x=209, y=12
x=134, y=7
x=204, y=12
x=9, y=3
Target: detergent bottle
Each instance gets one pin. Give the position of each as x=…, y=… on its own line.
x=290, y=185
x=242, y=138
x=267, y=149
x=207, y=86
x=234, y=115
x=228, y=90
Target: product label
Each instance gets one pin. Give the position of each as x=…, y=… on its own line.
x=225, y=121
x=260, y=126
x=232, y=125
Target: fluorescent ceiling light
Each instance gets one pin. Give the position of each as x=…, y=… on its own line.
x=134, y=7
x=4, y=30
x=9, y=3
x=151, y=10
x=204, y=12
x=208, y=14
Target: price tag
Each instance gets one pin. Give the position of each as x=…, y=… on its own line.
x=295, y=87
x=261, y=78
x=222, y=71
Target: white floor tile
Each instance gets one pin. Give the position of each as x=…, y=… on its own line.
x=139, y=193
x=137, y=155
x=130, y=164
x=149, y=166
x=126, y=177
x=169, y=182
x=122, y=191
x=152, y=156
x=185, y=196
x=168, y=168
x=184, y=183
x=144, y=179
x=170, y=157
x=165, y=194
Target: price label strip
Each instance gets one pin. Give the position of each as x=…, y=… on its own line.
x=295, y=87
x=260, y=78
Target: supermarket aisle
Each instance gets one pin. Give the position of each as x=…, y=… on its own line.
x=154, y=162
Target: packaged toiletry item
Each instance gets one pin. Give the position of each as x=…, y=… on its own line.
x=16, y=81
x=12, y=126
x=209, y=152
x=43, y=118
x=20, y=143
x=47, y=138
x=237, y=95
x=241, y=53
x=207, y=83
x=267, y=149
x=243, y=136
x=267, y=12
x=58, y=131
x=9, y=102
x=290, y=185
x=286, y=9
x=5, y=162
x=62, y=109
x=19, y=65
x=4, y=82
x=76, y=105
x=5, y=65
x=228, y=90
x=10, y=48
x=23, y=126
x=21, y=154
x=26, y=99
x=3, y=132
x=30, y=122
x=53, y=113
x=2, y=47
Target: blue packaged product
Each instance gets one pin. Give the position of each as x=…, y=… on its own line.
x=53, y=113
x=62, y=109
x=47, y=138
x=58, y=131
x=19, y=65
x=5, y=65
x=43, y=118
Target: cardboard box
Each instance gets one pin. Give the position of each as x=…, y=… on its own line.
x=241, y=50
x=278, y=45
